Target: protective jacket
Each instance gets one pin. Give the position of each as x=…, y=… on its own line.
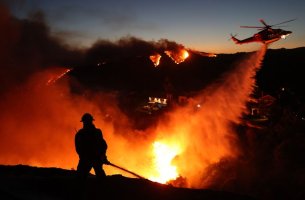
x=90, y=144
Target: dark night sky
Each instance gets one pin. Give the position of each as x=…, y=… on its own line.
x=201, y=25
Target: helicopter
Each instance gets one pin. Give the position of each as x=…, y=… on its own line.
x=266, y=35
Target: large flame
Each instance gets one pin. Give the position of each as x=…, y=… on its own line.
x=196, y=137
x=163, y=156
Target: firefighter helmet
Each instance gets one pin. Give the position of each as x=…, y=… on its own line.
x=87, y=117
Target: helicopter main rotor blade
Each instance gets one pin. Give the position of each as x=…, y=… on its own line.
x=252, y=27
x=283, y=22
x=263, y=22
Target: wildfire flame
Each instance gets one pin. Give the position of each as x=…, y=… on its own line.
x=178, y=56
x=191, y=139
x=155, y=59
x=163, y=157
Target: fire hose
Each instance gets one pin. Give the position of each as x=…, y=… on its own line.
x=123, y=169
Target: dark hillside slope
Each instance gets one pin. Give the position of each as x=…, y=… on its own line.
x=26, y=182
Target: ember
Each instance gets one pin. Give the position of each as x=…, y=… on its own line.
x=55, y=78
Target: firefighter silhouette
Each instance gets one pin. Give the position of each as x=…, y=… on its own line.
x=91, y=149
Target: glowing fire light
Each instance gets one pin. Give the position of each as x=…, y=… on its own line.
x=155, y=59
x=52, y=80
x=211, y=55
x=210, y=128
x=178, y=57
x=164, y=154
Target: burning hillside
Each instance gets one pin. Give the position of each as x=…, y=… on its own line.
x=51, y=106
x=200, y=144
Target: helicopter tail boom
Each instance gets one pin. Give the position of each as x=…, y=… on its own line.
x=235, y=40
